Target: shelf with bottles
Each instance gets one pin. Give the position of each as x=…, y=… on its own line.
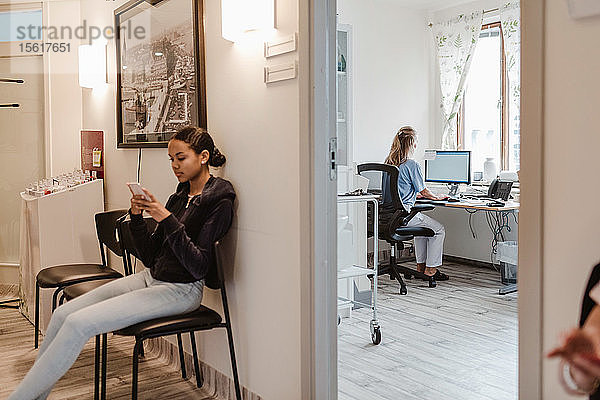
x=59, y=183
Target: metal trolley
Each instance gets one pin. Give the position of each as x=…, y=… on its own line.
x=355, y=270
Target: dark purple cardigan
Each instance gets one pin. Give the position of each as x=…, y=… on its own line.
x=181, y=247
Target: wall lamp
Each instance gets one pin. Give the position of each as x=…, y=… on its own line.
x=92, y=65
x=241, y=16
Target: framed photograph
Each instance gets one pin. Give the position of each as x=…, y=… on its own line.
x=160, y=70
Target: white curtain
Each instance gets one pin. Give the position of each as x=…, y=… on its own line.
x=510, y=18
x=455, y=42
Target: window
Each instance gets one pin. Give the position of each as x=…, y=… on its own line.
x=484, y=125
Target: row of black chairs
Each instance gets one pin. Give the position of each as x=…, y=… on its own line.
x=71, y=281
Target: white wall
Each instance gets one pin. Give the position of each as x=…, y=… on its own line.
x=571, y=164
x=390, y=74
x=257, y=128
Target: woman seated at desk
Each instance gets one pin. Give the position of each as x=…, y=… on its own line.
x=410, y=186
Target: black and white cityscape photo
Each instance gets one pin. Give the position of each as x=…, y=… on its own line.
x=158, y=92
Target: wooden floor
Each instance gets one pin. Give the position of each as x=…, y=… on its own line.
x=456, y=341
x=157, y=380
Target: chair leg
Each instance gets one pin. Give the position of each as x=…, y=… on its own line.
x=180, y=345
x=55, y=298
x=395, y=272
x=37, y=313
x=134, y=377
x=97, y=369
x=236, y=378
x=199, y=377
x=141, y=352
x=104, y=362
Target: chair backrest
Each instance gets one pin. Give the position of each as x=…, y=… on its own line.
x=218, y=280
x=128, y=243
x=106, y=229
x=383, y=179
x=391, y=210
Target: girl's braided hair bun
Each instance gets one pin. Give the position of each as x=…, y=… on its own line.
x=199, y=140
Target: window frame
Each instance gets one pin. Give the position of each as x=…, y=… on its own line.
x=504, y=112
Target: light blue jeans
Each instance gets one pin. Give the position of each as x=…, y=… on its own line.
x=115, y=305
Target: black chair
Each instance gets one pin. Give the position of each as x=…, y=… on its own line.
x=127, y=251
x=201, y=319
x=70, y=292
x=393, y=218
x=61, y=276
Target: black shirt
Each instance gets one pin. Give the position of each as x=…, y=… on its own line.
x=181, y=247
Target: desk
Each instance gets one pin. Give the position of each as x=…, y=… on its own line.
x=479, y=205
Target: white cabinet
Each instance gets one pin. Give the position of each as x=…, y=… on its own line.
x=344, y=94
x=58, y=228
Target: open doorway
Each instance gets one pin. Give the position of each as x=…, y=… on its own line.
x=388, y=77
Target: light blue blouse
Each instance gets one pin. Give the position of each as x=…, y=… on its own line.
x=410, y=182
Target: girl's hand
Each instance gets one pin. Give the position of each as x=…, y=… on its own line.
x=134, y=207
x=152, y=207
x=576, y=342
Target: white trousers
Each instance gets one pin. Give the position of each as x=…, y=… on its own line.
x=429, y=249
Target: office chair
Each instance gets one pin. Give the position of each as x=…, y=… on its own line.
x=201, y=319
x=393, y=218
x=62, y=276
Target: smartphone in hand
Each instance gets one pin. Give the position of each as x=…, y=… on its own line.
x=136, y=189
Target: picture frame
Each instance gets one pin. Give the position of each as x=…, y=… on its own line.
x=160, y=82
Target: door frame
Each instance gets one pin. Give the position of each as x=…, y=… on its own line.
x=317, y=72
x=319, y=332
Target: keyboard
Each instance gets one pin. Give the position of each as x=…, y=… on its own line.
x=429, y=201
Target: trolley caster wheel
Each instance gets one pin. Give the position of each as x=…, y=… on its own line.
x=432, y=283
x=376, y=336
x=403, y=290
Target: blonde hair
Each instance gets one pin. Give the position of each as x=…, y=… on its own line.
x=404, y=140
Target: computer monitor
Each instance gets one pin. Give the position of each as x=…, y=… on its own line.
x=451, y=167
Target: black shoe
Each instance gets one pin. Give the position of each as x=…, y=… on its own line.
x=438, y=276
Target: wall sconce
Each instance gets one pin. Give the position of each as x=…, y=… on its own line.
x=92, y=65
x=241, y=16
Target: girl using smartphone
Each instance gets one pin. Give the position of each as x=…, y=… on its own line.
x=178, y=255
